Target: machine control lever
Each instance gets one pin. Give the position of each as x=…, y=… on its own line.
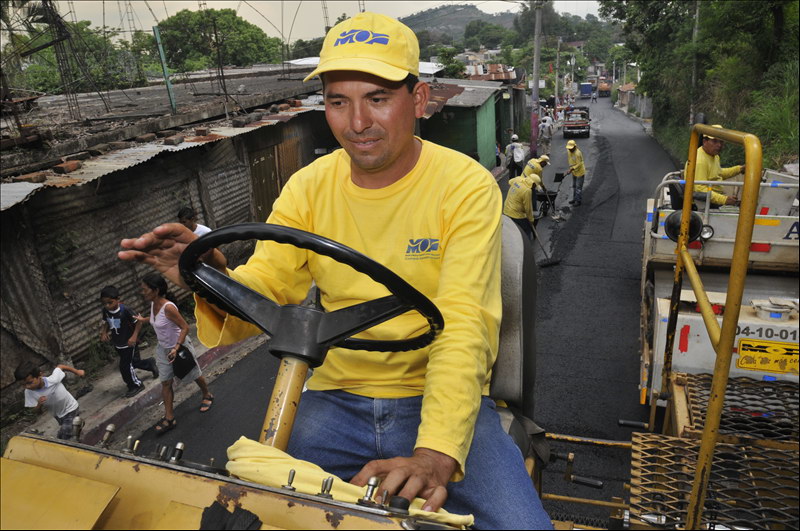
x=327, y=485
x=366, y=501
x=398, y=504
x=588, y=482
x=289, y=482
x=128, y=445
x=633, y=424
x=177, y=453
x=110, y=429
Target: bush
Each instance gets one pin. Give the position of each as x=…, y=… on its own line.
x=773, y=116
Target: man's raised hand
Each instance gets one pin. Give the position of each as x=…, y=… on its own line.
x=160, y=248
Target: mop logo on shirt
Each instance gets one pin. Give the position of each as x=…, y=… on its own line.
x=423, y=248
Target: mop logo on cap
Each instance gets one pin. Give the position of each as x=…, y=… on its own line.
x=422, y=248
x=363, y=36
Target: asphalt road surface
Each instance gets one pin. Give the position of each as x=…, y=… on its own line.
x=588, y=306
x=587, y=325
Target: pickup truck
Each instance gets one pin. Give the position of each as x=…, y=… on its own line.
x=576, y=122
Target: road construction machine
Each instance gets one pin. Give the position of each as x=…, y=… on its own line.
x=726, y=457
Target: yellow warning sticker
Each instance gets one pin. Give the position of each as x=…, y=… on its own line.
x=768, y=356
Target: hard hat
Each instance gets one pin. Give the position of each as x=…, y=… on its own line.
x=514, y=138
x=571, y=144
x=544, y=158
x=713, y=137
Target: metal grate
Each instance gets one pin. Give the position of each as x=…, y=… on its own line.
x=750, y=487
x=753, y=408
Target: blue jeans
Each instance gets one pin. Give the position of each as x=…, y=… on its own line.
x=341, y=432
x=577, y=188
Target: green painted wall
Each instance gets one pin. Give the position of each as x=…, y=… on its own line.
x=464, y=129
x=485, y=137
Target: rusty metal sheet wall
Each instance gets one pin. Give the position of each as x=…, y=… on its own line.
x=266, y=186
x=76, y=233
x=23, y=295
x=227, y=180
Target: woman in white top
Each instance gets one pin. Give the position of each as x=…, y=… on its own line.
x=172, y=332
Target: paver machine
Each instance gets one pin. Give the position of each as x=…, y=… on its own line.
x=723, y=355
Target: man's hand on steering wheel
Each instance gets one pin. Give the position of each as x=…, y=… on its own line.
x=424, y=475
x=162, y=248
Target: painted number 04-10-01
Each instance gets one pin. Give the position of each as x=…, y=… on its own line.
x=767, y=333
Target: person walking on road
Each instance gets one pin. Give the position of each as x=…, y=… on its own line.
x=515, y=156
x=545, y=135
x=122, y=329
x=707, y=168
x=48, y=392
x=172, y=332
x=578, y=171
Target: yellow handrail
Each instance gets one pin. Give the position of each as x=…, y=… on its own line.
x=722, y=339
x=709, y=318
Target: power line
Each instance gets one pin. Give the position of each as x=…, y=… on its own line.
x=265, y=18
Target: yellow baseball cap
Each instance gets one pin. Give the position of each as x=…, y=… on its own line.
x=713, y=137
x=571, y=144
x=371, y=43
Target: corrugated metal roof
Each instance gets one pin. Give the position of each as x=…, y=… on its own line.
x=471, y=97
x=14, y=193
x=441, y=93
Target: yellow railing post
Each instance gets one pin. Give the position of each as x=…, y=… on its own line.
x=733, y=301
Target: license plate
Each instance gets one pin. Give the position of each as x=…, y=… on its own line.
x=768, y=356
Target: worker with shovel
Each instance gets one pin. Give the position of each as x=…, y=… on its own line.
x=578, y=171
x=520, y=201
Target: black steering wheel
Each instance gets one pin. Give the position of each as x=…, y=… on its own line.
x=302, y=331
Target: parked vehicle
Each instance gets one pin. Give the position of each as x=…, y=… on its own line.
x=604, y=88
x=576, y=123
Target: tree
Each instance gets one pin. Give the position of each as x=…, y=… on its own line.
x=189, y=38
x=453, y=68
x=301, y=48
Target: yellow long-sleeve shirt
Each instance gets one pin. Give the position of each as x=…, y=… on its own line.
x=519, y=199
x=533, y=169
x=575, y=161
x=439, y=228
x=708, y=169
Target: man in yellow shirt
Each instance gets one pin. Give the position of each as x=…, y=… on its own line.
x=708, y=169
x=578, y=171
x=420, y=420
x=520, y=202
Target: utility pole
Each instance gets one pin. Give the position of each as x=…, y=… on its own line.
x=694, y=60
x=537, y=38
x=558, y=54
x=164, y=69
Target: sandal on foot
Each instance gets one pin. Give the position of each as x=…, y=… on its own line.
x=164, y=425
x=206, y=404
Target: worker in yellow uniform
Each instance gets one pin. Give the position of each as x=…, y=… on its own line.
x=520, y=201
x=421, y=421
x=707, y=168
x=578, y=171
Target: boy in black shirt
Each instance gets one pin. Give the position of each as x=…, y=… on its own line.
x=122, y=329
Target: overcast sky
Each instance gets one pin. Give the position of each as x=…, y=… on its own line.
x=277, y=17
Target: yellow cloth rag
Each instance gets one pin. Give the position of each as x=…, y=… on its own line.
x=253, y=461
